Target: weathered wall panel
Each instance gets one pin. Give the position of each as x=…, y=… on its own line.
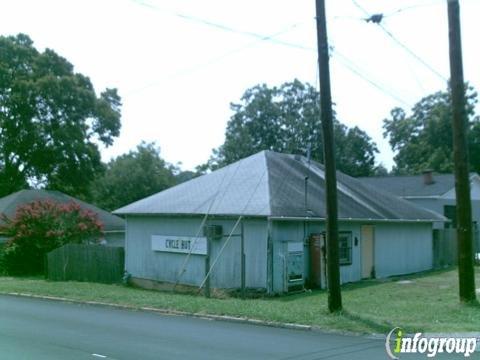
x=284, y=231
x=403, y=248
x=438, y=204
x=143, y=262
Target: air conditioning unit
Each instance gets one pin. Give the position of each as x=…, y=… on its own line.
x=213, y=232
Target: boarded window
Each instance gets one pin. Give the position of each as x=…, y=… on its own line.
x=345, y=243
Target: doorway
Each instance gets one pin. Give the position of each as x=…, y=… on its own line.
x=368, y=248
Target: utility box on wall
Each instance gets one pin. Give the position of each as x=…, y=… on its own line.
x=213, y=232
x=294, y=267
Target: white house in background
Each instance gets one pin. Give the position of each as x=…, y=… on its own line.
x=435, y=192
x=273, y=205
x=114, y=226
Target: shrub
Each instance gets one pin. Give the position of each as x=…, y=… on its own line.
x=41, y=226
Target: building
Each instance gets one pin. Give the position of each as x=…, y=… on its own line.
x=114, y=226
x=273, y=206
x=435, y=192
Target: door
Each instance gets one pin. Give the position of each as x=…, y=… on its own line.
x=367, y=251
x=315, y=276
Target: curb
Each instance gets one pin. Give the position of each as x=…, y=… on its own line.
x=175, y=312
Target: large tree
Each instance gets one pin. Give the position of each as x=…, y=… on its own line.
x=287, y=119
x=423, y=139
x=133, y=176
x=51, y=120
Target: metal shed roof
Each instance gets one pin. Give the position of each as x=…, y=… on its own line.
x=273, y=184
x=10, y=203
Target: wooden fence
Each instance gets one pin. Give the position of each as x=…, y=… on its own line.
x=94, y=263
x=445, y=248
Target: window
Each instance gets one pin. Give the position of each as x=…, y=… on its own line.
x=345, y=243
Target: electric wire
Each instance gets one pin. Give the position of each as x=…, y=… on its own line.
x=402, y=45
x=240, y=218
x=202, y=224
x=348, y=64
x=223, y=27
x=344, y=61
x=216, y=59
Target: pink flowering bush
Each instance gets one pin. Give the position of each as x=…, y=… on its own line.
x=41, y=226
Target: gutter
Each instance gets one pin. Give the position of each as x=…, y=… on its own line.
x=299, y=218
x=193, y=215
x=421, y=196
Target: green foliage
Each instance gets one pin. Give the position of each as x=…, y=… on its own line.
x=423, y=139
x=3, y=270
x=287, y=119
x=133, y=176
x=50, y=120
x=41, y=226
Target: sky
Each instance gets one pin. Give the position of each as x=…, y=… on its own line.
x=179, y=64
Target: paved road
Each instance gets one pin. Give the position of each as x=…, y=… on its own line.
x=39, y=329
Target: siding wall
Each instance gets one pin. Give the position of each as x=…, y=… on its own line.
x=438, y=204
x=144, y=263
x=284, y=231
x=399, y=249
x=402, y=248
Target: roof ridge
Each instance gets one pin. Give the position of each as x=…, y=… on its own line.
x=270, y=197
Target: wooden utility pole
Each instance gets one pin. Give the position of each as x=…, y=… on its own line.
x=333, y=267
x=466, y=271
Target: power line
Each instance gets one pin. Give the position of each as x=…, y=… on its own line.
x=407, y=8
x=390, y=14
x=354, y=69
x=413, y=54
x=260, y=37
x=214, y=60
x=406, y=48
x=223, y=27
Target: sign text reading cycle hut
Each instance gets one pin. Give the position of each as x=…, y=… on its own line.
x=180, y=244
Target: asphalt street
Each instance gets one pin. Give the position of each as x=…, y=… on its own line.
x=42, y=329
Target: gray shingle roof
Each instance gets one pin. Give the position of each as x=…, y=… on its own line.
x=10, y=203
x=413, y=185
x=273, y=184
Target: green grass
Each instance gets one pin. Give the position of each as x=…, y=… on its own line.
x=428, y=304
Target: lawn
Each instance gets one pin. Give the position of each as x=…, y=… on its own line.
x=427, y=302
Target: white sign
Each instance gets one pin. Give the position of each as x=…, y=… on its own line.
x=295, y=246
x=180, y=244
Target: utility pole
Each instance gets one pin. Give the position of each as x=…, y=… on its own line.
x=333, y=266
x=466, y=271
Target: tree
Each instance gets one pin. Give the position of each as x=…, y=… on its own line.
x=423, y=139
x=287, y=119
x=42, y=226
x=133, y=176
x=50, y=120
